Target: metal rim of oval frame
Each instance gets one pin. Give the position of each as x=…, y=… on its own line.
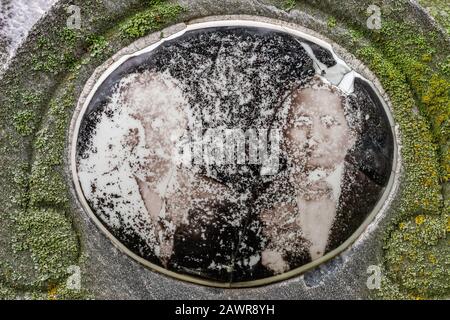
x=277, y=25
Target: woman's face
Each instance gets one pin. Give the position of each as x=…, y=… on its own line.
x=317, y=128
x=157, y=102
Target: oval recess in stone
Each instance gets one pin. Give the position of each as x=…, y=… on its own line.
x=233, y=154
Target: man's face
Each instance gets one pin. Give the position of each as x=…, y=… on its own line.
x=317, y=127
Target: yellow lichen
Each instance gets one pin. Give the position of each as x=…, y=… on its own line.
x=52, y=293
x=420, y=219
x=432, y=259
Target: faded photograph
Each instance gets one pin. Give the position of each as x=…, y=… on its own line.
x=310, y=213
x=231, y=222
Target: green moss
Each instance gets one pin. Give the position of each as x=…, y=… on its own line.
x=21, y=178
x=331, y=22
x=152, y=19
x=97, y=45
x=51, y=57
x=430, y=88
x=288, y=5
x=47, y=183
x=48, y=235
x=24, y=103
x=43, y=228
x=418, y=255
x=416, y=249
x=445, y=66
x=60, y=52
x=355, y=34
x=69, y=36
x=436, y=103
x=24, y=122
x=7, y=293
x=48, y=62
